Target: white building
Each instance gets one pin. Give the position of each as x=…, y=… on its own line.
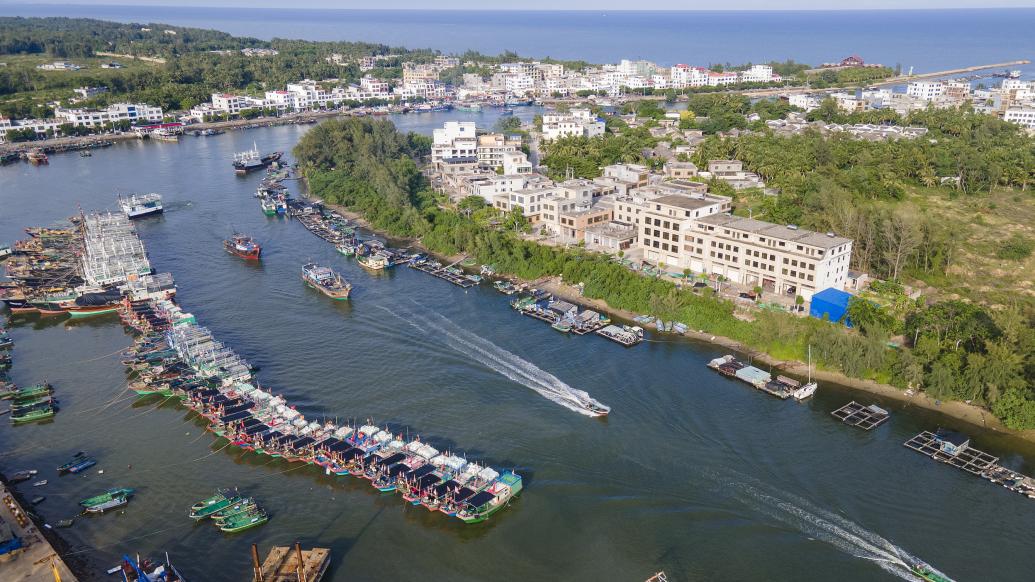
x=757, y=74
x=579, y=122
x=1021, y=115
x=131, y=112
x=682, y=76
x=40, y=126
x=926, y=90
x=455, y=139
x=804, y=101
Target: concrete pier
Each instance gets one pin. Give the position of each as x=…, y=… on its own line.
x=36, y=560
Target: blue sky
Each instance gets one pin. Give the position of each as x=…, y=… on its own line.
x=595, y=5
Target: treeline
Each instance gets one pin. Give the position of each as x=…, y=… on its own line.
x=961, y=351
x=585, y=156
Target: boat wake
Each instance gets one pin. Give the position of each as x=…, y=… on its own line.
x=514, y=367
x=822, y=525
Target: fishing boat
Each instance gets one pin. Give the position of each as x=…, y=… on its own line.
x=79, y=466
x=5, y=251
x=106, y=497
x=37, y=157
x=141, y=205
x=238, y=508
x=268, y=205
x=75, y=460
x=113, y=503
x=326, y=281
x=244, y=521
x=495, y=497
x=85, y=153
x=561, y=326
x=147, y=571
x=250, y=160
x=23, y=476
x=346, y=249
x=33, y=415
x=217, y=502
x=928, y=573
x=376, y=262
x=30, y=392
x=166, y=134
x=40, y=483
x=243, y=246
x=91, y=304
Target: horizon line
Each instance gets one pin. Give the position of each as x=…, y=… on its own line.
x=431, y=9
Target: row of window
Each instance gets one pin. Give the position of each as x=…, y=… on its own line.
x=664, y=235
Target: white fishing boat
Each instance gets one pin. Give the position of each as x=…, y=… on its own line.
x=140, y=205
x=810, y=387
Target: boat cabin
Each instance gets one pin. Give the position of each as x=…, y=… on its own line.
x=951, y=442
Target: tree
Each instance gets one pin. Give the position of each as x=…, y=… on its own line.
x=901, y=237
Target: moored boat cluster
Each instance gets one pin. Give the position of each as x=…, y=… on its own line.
x=177, y=358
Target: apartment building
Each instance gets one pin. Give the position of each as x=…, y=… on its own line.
x=131, y=112
x=680, y=170
x=493, y=146
x=666, y=224
x=577, y=123
x=455, y=139
x=40, y=126
x=1021, y=115
x=635, y=175
x=516, y=163
x=780, y=259
x=926, y=90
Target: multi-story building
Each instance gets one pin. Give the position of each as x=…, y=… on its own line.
x=925, y=89
x=758, y=74
x=455, y=139
x=716, y=79
x=131, y=112
x=682, y=76
x=680, y=170
x=577, y=123
x=40, y=126
x=493, y=146
x=780, y=259
x=1021, y=115
x=635, y=175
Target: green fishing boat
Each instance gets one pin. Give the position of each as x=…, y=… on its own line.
x=928, y=573
x=242, y=506
x=105, y=497
x=30, y=392
x=237, y=516
x=206, y=508
x=245, y=521
x=32, y=416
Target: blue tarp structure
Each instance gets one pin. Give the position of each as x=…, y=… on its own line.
x=832, y=303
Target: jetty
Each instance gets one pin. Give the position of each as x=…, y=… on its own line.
x=450, y=273
x=864, y=417
x=284, y=564
x=953, y=448
x=25, y=554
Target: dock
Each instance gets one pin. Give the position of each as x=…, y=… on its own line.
x=24, y=553
x=864, y=417
x=954, y=449
x=436, y=270
x=282, y=564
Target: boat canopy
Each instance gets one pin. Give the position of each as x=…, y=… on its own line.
x=463, y=493
x=480, y=499
x=753, y=375
x=383, y=437
x=259, y=428
x=396, y=469
x=368, y=430
x=427, y=451
x=414, y=446
x=427, y=481
x=391, y=460
x=451, y=462
x=420, y=472
x=488, y=474
x=443, y=488
x=343, y=432
x=303, y=442
x=235, y=416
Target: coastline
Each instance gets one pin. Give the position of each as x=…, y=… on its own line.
x=980, y=418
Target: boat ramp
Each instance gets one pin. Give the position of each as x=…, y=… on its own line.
x=864, y=417
x=284, y=564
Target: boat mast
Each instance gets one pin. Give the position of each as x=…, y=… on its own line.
x=810, y=363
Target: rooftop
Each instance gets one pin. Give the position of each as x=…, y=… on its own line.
x=684, y=202
x=777, y=231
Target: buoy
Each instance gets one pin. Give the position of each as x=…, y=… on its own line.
x=101, y=472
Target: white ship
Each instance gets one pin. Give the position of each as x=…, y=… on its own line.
x=140, y=205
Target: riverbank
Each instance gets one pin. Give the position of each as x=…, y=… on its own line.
x=977, y=416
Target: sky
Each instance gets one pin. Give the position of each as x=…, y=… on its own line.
x=595, y=5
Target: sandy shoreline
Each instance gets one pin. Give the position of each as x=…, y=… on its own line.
x=980, y=418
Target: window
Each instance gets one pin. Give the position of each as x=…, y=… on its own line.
x=667, y=225
x=655, y=244
x=664, y=246
x=675, y=238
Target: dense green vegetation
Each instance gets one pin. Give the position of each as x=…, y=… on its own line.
x=956, y=350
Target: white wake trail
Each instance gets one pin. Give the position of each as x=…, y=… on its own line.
x=823, y=525
x=510, y=365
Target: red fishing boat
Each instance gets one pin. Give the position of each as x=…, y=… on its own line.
x=243, y=246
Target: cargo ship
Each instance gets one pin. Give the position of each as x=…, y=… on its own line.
x=250, y=160
x=243, y=246
x=326, y=281
x=141, y=205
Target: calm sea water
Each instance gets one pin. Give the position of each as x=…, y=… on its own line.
x=927, y=40
x=692, y=473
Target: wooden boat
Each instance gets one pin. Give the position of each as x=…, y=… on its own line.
x=22, y=476
x=243, y=246
x=928, y=573
x=78, y=464
x=206, y=508
x=561, y=326
x=105, y=497
x=373, y=262
x=37, y=157
x=482, y=505
x=30, y=392
x=244, y=521
x=33, y=416
x=326, y=281
x=38, y=499
x=113, y=503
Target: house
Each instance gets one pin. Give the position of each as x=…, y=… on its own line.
x=951, y=442
x=610, y=237
x=680, y=170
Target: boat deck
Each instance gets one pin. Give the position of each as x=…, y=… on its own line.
x=969, y=459
x=619, y=335
x=281, y=564
x=864, y=417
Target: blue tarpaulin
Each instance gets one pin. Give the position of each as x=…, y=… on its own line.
x=831, y=303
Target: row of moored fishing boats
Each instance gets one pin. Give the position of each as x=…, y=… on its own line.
x=177, y=358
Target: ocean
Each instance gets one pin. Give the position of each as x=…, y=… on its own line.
x=923, y=39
